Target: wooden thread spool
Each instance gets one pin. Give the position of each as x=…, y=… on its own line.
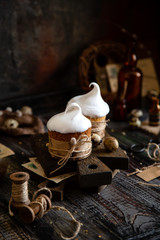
x=40, y=204
x=19, y=189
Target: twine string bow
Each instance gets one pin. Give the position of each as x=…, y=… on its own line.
x=75, y=145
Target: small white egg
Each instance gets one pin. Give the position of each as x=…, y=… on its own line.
x=9, y=109
x=26, y=110
x=19, y=113
x=11, y=123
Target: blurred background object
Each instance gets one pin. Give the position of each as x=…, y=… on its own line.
x=3, y=166
x=41, y=43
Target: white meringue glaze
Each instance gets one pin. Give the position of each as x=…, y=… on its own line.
x=91, y=103
x=70, y=121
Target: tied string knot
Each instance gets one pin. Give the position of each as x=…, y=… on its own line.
x=76, y=145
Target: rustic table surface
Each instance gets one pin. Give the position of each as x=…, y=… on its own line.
x=124, y=209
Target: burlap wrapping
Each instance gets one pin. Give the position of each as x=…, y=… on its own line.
x=99, y=128
x=61, y=149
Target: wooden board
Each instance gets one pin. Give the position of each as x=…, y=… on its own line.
x=93, y=173
x=123, y=210
x=117, y=159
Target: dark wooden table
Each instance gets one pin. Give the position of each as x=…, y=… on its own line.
x=123, y=210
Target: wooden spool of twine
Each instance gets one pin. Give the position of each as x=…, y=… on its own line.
x=19, y=195
x=40, y=205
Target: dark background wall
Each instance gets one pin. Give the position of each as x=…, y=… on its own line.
x=41, y=41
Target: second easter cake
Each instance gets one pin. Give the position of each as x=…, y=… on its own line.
x=69, y=134
x=94, y=108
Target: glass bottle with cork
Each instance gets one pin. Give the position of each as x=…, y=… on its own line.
x=131, y=74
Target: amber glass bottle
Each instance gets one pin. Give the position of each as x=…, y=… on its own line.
x=119, y=108
x=133, y=75
x=154, y=112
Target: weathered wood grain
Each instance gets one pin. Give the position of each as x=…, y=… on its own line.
x=93, y=173
x=124, y=210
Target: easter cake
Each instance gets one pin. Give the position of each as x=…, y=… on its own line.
x=69, y=134
x=94, y=108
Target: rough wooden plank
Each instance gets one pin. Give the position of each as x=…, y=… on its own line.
x=117, y=159
x=93, y=173
x=124, y=210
